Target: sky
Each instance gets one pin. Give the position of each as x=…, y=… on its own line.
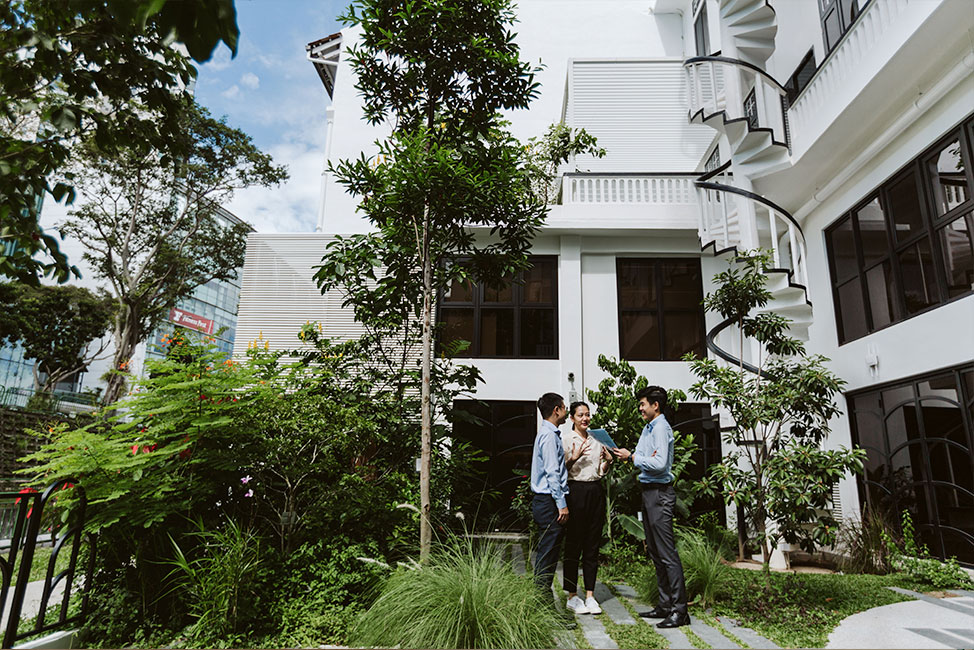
x=271, y=92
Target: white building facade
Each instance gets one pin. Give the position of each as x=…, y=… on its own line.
x=837, y=133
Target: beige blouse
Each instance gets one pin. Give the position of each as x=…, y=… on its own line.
x=589, y=466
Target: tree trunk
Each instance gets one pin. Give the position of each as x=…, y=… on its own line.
x=425, y=526
x=126, y=340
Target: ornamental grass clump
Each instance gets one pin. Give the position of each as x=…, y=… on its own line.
x=463, y=597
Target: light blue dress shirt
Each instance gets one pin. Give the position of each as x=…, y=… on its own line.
x=654, y=452
x=548, y=472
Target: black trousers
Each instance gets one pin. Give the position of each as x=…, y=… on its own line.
x=545, y=514
x=658, y=505
x=586, y=520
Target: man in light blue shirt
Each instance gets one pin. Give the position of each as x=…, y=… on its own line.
x=654, y=459
x=549, y=483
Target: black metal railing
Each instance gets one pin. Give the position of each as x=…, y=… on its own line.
x=25, y=523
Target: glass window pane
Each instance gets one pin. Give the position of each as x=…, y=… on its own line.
x=879, y=285
x=459, y=292
x=852, y=313
x=504, y=294
x=537, y=333
x=539, y=283
x=682, y=333
x=639, y=337
x=949, y=181
x=496, y=332
x=833, y=28
x=457, y=325
x=842, y=249
x=872, y=232
x=701, y=33
x=916, y=271
x=636, y=286
x=682, y=284
x=957, y=243
x=904, y=205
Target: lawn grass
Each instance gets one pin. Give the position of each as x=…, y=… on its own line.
x=800, y=610
x=639, y=635
x=793, y=610
x=38, y=567
x=695, y=640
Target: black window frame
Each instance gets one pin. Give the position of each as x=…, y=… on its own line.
x=478, y=304
x=931, y=223
x=801, y=77
x=659, y=309
x=923, y=479
x=701, y=31
x=839, y=8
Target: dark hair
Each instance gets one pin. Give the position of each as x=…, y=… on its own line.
x=653, y=395
x=574, y=407
x=548, y=402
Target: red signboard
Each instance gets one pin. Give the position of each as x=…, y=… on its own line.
x=192, y=321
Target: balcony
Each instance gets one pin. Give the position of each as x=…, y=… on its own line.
x=884, y=54
x=627, y=201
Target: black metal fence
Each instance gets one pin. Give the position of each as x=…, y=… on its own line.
x=23, y=527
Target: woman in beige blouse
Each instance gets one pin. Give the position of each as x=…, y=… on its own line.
x=587, y=461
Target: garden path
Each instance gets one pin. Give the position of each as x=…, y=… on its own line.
x=925, y=622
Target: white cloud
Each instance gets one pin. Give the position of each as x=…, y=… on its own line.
x=293, y=206
x=250, y=80
x=233, y=92
x=221, y=60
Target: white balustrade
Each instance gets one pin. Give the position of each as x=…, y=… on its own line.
x=846, y=61
x=608, y=189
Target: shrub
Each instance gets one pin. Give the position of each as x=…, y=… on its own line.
x=703, y=566
x=720, y=538
x=914, y=560
x=465, y=597
x=863, y=546
x=215, y=582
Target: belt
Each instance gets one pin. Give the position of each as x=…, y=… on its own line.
x=655, y=486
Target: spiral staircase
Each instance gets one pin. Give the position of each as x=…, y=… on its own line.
x=733, y=95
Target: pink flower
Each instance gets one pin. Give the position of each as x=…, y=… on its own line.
x=249, y=493
x=245, y=480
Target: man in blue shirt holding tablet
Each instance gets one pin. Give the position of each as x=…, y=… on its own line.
x=654, y=458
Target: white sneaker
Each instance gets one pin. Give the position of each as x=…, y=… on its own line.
x=577, y=605
x=592, y=605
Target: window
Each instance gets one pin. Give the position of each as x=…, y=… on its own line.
x=751, y=109
x=800, y=77
x=919, y=440
x=517, y=320
x=701, y=31
x=503, y=431
x=910, y=246
x=660, y=313
x=837, y=17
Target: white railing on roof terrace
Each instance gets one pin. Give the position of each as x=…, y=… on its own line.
x=658, y=189
x=845, y=60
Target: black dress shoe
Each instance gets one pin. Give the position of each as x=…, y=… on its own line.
x=656, y=612
x=675, y=619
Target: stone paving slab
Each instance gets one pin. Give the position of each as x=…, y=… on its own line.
x=614, y=609
x=711, y=635
x=965, y=606
x=675, y=636
x=926, y=622
x=962, y=592
x=747, y=635
x=595, y=632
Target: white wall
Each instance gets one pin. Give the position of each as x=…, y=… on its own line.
x=550, y=32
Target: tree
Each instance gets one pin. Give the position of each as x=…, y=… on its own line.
x=440, y=73
x=56, y=327
x=778, y=471
x=148, y=226
x=617, y=411
x=71, y=69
